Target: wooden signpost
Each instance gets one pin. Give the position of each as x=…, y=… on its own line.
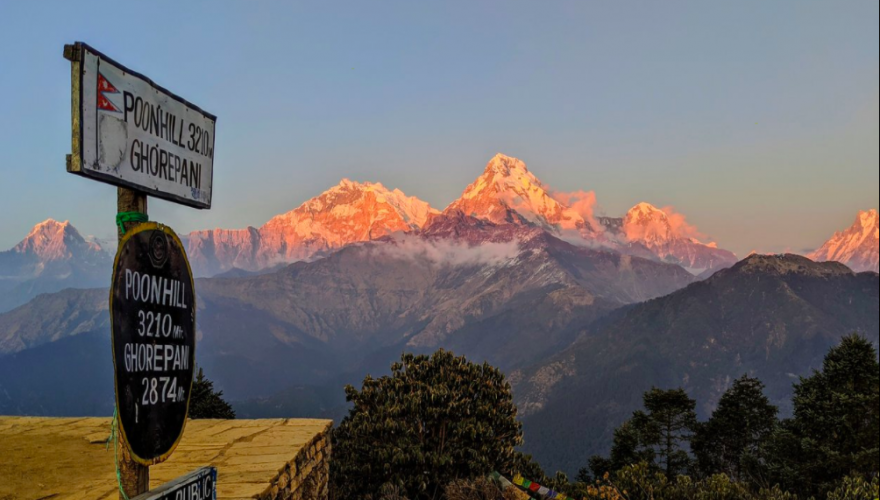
x=134, y=134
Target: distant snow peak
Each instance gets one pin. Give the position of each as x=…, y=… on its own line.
x=53, y=240
x=645, y=222
x=506, y=165
x=507, y=192
x=52, y=256
x=50, y=228
x=348, y=212
x=869, y=219
x=347, y=197
x=858, y=247
x=667, y=234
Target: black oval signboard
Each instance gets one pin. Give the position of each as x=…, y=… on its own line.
x=153, y=318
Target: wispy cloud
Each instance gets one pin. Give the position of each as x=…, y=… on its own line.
x=681, y=227
x=582, y=202
x=448, y=252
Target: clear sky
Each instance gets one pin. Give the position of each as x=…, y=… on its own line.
x=758, y=120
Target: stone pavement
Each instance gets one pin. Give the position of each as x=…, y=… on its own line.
x=56, y=458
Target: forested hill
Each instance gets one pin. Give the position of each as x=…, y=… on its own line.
x=772, y=317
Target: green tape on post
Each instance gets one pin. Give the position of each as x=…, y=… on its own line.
x=123, y=217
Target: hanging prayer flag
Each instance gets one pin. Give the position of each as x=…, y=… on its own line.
x=527, y=485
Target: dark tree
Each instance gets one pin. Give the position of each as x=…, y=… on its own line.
x=834, y=432
x=743, y=420
x=434, y=420
x=658, y=436
x=667, y=428
x=205, y=403
x=630, y=447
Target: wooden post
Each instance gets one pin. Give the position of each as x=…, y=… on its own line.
x=135, y=477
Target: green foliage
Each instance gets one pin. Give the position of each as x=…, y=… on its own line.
x=732, y=437
x=205, y=403
x=834, y=432
x=856, y=487
x=439, y=424
x=478, y=489
x=434, y=420
x=644, y=482
x=743, y=451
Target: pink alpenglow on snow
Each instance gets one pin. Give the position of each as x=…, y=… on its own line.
x=669, y=236
x=857, y=247
x=53, y=241
x=349, y=212
x=507, y=192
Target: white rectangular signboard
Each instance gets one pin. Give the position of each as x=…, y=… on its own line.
x=198, y=485
x=130, y=132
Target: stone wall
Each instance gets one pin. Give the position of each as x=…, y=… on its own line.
x=306, y=477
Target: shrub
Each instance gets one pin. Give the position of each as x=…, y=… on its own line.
x=434, y=420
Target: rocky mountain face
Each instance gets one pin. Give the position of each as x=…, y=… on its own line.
x=51, y=257
x=424, y=289
x=51, y=317
x=858, y=247
x=347, y=213
x=646, y=229
x=517, y=294
x=772, y=317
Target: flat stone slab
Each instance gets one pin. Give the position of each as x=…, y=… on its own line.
x=42, y=458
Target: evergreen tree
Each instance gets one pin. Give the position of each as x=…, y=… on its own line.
x=835, y=431
x=205, y=403
x=434, y=420
x=667, y=428
x=743, y=420
x=659, y=436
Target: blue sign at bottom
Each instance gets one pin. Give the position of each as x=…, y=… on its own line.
x=197, y=485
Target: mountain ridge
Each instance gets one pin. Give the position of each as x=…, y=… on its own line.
x=769, y=316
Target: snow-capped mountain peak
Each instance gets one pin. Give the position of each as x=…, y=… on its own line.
x=353, y=211
x=648, y=224
x=669, y=237
x=858, y=247
x=51, y=257
x=869, y=220
x=348, y=212
x=507, y=165
x=507, y=192
x=51, y=240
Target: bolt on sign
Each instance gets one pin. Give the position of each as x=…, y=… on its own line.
x=152, y=320
x=130, y=132
x=197, y=485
